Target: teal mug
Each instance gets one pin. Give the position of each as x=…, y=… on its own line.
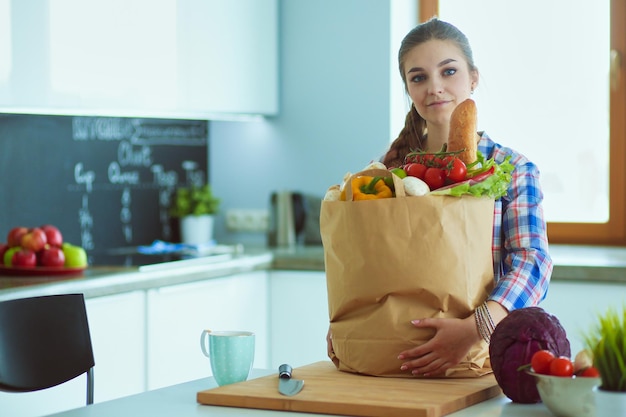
x=231, y=354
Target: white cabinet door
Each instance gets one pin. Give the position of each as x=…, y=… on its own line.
x=117, y=327
x=177, y=315
x=298, y=317
x=190, y=59
x=228, y=59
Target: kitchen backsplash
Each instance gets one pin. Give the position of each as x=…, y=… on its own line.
x=105, y=182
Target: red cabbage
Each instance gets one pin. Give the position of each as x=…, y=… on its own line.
x=514, y=341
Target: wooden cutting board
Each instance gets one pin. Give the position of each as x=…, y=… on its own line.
x=329, y=391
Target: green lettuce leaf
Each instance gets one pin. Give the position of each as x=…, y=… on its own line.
x=495, y=185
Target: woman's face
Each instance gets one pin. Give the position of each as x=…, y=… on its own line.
x=437, y=79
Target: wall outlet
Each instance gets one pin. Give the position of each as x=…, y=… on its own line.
x=247, y=220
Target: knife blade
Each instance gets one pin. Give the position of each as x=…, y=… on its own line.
x=286, y=385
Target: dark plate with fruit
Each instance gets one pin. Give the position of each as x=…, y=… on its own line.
x=39, y=271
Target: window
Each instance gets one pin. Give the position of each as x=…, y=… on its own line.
x=554, y=67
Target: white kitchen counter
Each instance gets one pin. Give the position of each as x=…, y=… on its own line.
x=104, y=280
x=180, y=401
x=571, y=263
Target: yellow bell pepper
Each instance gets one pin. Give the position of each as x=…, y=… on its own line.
x=365, y=187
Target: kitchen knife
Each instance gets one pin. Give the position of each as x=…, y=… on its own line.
x=286, y=385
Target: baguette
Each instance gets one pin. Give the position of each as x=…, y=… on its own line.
x=463, y=126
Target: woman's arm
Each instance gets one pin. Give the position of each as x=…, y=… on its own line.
x=522, y=264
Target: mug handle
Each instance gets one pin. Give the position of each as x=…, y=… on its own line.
x=203, y=342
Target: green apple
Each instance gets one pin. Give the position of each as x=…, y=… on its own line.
x=75, y=256
x=8, y=255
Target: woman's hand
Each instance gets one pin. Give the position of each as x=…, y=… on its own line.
x=450, y=345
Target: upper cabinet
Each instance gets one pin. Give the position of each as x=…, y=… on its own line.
x=164, y=58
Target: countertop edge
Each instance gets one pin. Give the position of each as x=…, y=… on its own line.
x=103, y=281
x=571, y=263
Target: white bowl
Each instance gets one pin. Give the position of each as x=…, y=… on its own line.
x=567, y=397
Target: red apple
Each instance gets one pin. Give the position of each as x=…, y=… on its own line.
x=3, y=248
x=15, y=236
x=25, y=258
x=53, y=235
x=51, y=256
x=35, y=239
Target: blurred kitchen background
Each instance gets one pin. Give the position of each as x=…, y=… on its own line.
x=292, y=94
x=107, y=106
x=295, y=93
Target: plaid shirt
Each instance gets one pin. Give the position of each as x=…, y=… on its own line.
x=521, y=262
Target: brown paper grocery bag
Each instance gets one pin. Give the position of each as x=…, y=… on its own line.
x=392, y=260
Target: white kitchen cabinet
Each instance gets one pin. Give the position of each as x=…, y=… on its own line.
x=177, y=315
x=191, y=59
x=298, y=313
x=116, y=326
x=578, y=304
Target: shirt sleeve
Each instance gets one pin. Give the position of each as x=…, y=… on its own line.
x=522, y=264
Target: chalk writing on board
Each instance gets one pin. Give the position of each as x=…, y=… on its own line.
x=138, y=131
x=135, y=166
x=86, y=224
x=107, y=182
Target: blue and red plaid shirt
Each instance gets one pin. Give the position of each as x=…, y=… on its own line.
x=521, y=262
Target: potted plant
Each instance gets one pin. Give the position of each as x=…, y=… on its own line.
x=195, y=207
x=607, y=343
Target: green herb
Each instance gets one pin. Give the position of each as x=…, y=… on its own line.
x=607, y=343
x=194, y=201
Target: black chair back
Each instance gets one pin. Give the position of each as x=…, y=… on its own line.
x=44, y=342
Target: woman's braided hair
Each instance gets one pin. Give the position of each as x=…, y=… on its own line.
x=412, y=137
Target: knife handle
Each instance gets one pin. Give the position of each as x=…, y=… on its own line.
x=284, y=371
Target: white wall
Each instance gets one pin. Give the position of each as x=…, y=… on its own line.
x=577, y=305
x=334, y=107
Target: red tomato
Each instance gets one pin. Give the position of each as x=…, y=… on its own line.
x=540, y=362
x=431, y=160
x=454, y=168
x=590, y=371
x=428, y=159
x=415, y=170
x=561, y=366
x=434, y=178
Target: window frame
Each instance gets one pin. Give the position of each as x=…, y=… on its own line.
x=613, y=232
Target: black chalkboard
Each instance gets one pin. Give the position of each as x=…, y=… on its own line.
x=106, y=182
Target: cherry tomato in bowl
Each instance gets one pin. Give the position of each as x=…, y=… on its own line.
x=561, y=366
x=590, y=372
x=540, y=361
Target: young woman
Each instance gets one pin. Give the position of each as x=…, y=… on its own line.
x=438, y=71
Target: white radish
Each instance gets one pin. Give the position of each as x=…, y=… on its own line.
x=413, y=186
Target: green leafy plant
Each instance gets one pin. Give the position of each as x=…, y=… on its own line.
x=607, y=343
x=194, y=201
